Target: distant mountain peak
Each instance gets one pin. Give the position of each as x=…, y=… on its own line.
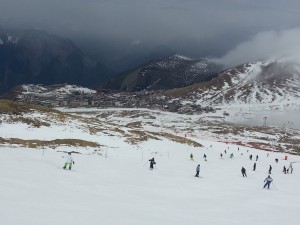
x=166, y=73
x=34, y=56
x=260, y=82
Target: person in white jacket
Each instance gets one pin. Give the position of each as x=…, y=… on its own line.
x=69, y=161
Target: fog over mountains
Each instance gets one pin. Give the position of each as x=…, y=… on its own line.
x=33, y=56
x=90, y=41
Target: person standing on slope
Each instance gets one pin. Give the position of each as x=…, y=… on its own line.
x=69, y=161
x=268, y=181
x=291, y=167
x=284, y=170
x=254, y=167
x=256, y=157
x=197, y=170
x=192, y=157
x=270, y=169
x=244, y=172
x=204, y=156
x=152, y=163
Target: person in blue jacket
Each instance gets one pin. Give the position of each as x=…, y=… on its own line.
x=268, y=181
x=197, y=170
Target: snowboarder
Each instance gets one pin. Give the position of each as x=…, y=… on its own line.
x=254, y=167
x=270, y=169
x=284, y=170
x=291, y=167
x=152, y=163
x=256, y=157
x=268, y=181
x=204, y=156
x=244, y=172
x=250, y=157
x=192, y=157
x=231, y=155
x=69, y=161
x=197, y=170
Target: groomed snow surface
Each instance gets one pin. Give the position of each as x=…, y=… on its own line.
x=120, y=189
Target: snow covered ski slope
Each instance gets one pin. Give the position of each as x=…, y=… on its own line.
x=117, y=188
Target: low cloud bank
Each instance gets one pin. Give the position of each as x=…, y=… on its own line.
x=281, y=45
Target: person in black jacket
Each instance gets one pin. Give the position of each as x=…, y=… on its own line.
x=244, y=172
x=152, y=163
x=270, y=169
x=254, y=167
x=197, y=170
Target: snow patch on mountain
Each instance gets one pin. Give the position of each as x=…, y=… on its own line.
x=253, y=83
x=54, y=90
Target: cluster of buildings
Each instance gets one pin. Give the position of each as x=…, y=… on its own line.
x=109, y=99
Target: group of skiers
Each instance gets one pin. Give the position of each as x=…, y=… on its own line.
x=69, y=161
x=289, y=169
x=267, y=181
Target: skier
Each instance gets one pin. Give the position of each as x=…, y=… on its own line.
x=254, y=167
x=244, y=172
x=204, y=156
x=284, y=170
x=268, y=155
x=225, y=151
x=291, y=167
x=270, y=169
x=276, y=160
x=238, y=148
x=69, y=161
x=221, y=155
x=268, y=181
x=152, y=163
x=250, y=157
x=256, y=157
x=197, y=170
x=192, y=157
x=231, y=155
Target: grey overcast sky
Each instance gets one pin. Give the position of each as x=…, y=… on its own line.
x=216, y=28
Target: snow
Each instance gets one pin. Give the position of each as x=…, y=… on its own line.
x=52, y=91
x=114, y=186
x=120, y=189
x=249, y=85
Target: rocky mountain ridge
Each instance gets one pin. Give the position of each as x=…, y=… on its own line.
x=34, y=56
x=261, y=82
x=171, y=72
